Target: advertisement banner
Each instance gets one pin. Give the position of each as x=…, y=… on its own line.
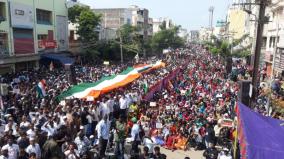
x=47, y=44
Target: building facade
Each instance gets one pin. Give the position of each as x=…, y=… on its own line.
x=274, y=39
x=157, y=22
x=237, y=23
x=29, y=28
x=194, y=35
x=114, y=18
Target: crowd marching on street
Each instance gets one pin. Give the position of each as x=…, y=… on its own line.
x=194, y=110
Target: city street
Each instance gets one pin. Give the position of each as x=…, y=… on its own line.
x=179, y=154
x=145, y=79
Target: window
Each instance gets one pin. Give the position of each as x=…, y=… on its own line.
x=264, y=39
x=272, y=41
x=2, y=11
x=41, y=36
x=44, y=17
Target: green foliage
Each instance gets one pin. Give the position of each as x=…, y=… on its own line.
x=163, y=26
x=132, y=41
x=223, y=47
x=87, y=22
x=74, y=13
x=165, y=39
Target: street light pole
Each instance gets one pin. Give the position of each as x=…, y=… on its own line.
x=257, y=51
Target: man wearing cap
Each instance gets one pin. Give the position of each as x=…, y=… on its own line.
x=135, y=138
x=34, y=148
x=4, y=153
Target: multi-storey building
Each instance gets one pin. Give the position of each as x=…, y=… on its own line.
x=28, y=28
x=194, y=35
x=161, y=21
x=114, y=18
x=275, y=36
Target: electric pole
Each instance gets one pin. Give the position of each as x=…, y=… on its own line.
x=257, y=51
x=120, y=39
x=211, y=11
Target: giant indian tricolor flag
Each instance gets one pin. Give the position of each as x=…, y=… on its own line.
x=106, y=84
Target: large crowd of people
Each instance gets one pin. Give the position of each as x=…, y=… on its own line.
x=194, y=110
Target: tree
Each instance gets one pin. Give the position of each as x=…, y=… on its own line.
x=132, y=41
x=167, y=38
x=87, y=22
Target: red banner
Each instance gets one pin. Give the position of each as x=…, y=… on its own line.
x=47, y=44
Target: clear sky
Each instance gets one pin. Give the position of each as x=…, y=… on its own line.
x=190, y=14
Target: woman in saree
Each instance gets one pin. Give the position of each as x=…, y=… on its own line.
x=180, y=142
x=169, y=143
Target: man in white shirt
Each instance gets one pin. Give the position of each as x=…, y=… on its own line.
x=34, y=148
x=31, y=131
x=49, y=128
x=123, y=105
x=13, y=149
x=103, y=135
x=25, y=123
x=103, y=109
x=135, y=137
x=110, y=104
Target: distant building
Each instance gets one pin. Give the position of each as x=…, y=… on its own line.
x=114, y=18
x=194, y=35
x=204, y=34
x=237, y=19
x=28, y=28
x=183, y=34
x=161, y=21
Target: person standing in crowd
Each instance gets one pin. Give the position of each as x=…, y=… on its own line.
x=123, y=105
x=13, y=149
x=51, y=149
x=103, y=135
x=34, y=148
x=119, y=137
x=210, y=135
x=135, y=136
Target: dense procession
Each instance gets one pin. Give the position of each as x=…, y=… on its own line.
x=187, y=104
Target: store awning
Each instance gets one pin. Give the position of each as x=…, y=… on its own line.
x=62, y=58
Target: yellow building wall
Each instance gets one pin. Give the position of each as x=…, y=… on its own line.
x=236, y=19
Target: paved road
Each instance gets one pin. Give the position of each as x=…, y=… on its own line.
x=182, y=154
